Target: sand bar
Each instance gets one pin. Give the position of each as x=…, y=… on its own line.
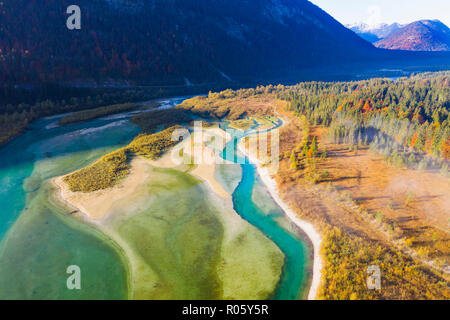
x=97, y=204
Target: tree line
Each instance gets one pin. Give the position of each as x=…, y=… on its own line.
x=406, y=120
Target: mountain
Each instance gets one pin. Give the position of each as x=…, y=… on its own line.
x=374, y=33
x=424, y=35
x=170, y=41
x=174, y=42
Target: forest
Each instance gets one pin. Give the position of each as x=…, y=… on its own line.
x=406, y=120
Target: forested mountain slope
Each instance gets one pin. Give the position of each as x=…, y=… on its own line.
x=171, y=41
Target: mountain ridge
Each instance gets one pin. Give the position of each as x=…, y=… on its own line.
x=173, y=42
x=423, y=35
x=374, y=33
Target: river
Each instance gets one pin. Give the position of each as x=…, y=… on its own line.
x=39, y=239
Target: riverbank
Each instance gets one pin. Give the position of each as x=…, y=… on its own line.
x=313, y=235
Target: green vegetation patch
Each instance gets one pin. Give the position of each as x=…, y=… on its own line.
x=108, y=170
x=101, y=174
x=87, y=115
x=406, y=121
x=154, y=145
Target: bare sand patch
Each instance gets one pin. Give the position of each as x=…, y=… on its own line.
x=205, y=154
x=206, y=172
x=97, y=204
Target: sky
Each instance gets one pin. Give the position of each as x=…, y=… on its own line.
x=374, y=12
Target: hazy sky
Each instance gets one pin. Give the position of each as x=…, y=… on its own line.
x=377, y=11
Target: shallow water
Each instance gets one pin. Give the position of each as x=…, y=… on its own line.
x=39, y=240
x=172, y=229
